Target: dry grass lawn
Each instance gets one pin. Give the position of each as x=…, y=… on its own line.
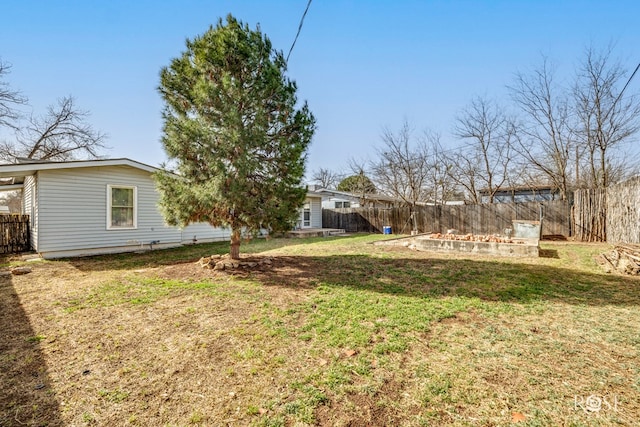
x=337, y=332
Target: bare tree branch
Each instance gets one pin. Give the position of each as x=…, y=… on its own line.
x=484, y=161
x=606, y=119
x=326, y=178
x=402, y=167
x=9, y=100
x=439, y=186
x=61, y=134
x=357, y=181
x=547, y=140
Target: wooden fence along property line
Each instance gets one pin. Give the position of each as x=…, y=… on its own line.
x=590, y=215
x=623, y=212
x=14, y=233
x=476, y=219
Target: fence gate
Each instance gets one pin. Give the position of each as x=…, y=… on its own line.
x=14, y=233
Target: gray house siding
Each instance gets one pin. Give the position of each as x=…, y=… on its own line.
x=30, y=207
x=69, y=208
x=72, y=210
x=203, y=232
x=316, y=212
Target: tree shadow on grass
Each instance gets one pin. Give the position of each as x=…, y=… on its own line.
x=26, y=397
x=548, y=253
x=429, y=278
x=160, y=257
x=419, y=276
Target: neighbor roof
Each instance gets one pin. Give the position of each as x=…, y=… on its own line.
x=366, y=196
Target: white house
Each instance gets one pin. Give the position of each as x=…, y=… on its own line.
x=91, y=207
x=96, y=206
x=311, y=212
x=334, y=199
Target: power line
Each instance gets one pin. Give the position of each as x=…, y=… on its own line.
x=299, y=29
x=627, y=84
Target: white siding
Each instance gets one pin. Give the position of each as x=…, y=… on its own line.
x=316, y=211
x=30, y=207
x=330, y=203
x=72, y=212
x=203, y=232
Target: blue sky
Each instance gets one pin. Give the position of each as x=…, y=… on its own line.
x=361, y=65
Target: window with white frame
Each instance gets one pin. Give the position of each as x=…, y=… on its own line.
x=340, y=205
x=306, y=215
x=121, y=207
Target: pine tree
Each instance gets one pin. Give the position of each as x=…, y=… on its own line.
x=234, y=134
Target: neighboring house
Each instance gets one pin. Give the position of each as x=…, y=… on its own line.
x=521, y=194
x=96, y=206
x=311, y=211
x=334, y=199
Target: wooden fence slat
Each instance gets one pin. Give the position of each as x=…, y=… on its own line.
x=14, y=233
x=623, y=212
x=589, y=215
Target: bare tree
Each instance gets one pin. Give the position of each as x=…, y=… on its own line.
x=409, y=170
x=326, y=178
x=403, y=166
x=13, y=200
x=9, y=100
x=547, y=141
x=606, y=119
x=61, y=134
x=358, y=181
x=439, y=187
x=483, y=162
x=465, y=171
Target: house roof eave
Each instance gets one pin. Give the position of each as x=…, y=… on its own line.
x=30, y=168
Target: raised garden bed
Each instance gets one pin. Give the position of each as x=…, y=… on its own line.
x=489, y=245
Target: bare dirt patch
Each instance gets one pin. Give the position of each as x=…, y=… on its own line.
x=280, y=269
x=378, y=408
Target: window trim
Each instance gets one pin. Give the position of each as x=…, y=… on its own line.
x=306, y=223
x=110, y=187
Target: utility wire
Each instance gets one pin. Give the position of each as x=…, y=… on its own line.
x=299, y=29
x=627, y=84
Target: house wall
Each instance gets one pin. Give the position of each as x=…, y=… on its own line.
x=330, y=203
x=30, y=207
x=203, y=232
x=316, y=211
x=522, y=196
x=72, y=214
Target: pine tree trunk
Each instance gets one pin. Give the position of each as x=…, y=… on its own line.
x=235, y=244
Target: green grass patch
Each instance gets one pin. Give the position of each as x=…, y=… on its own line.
x=114, y=396
x=342, y=332
x=139, y=291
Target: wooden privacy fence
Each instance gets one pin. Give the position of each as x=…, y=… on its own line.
x=476, y=219
x=590, y=215
x=609, y=215
x=623, y=212
x=14, y=233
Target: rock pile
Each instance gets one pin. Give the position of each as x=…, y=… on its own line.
x=224, y=262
